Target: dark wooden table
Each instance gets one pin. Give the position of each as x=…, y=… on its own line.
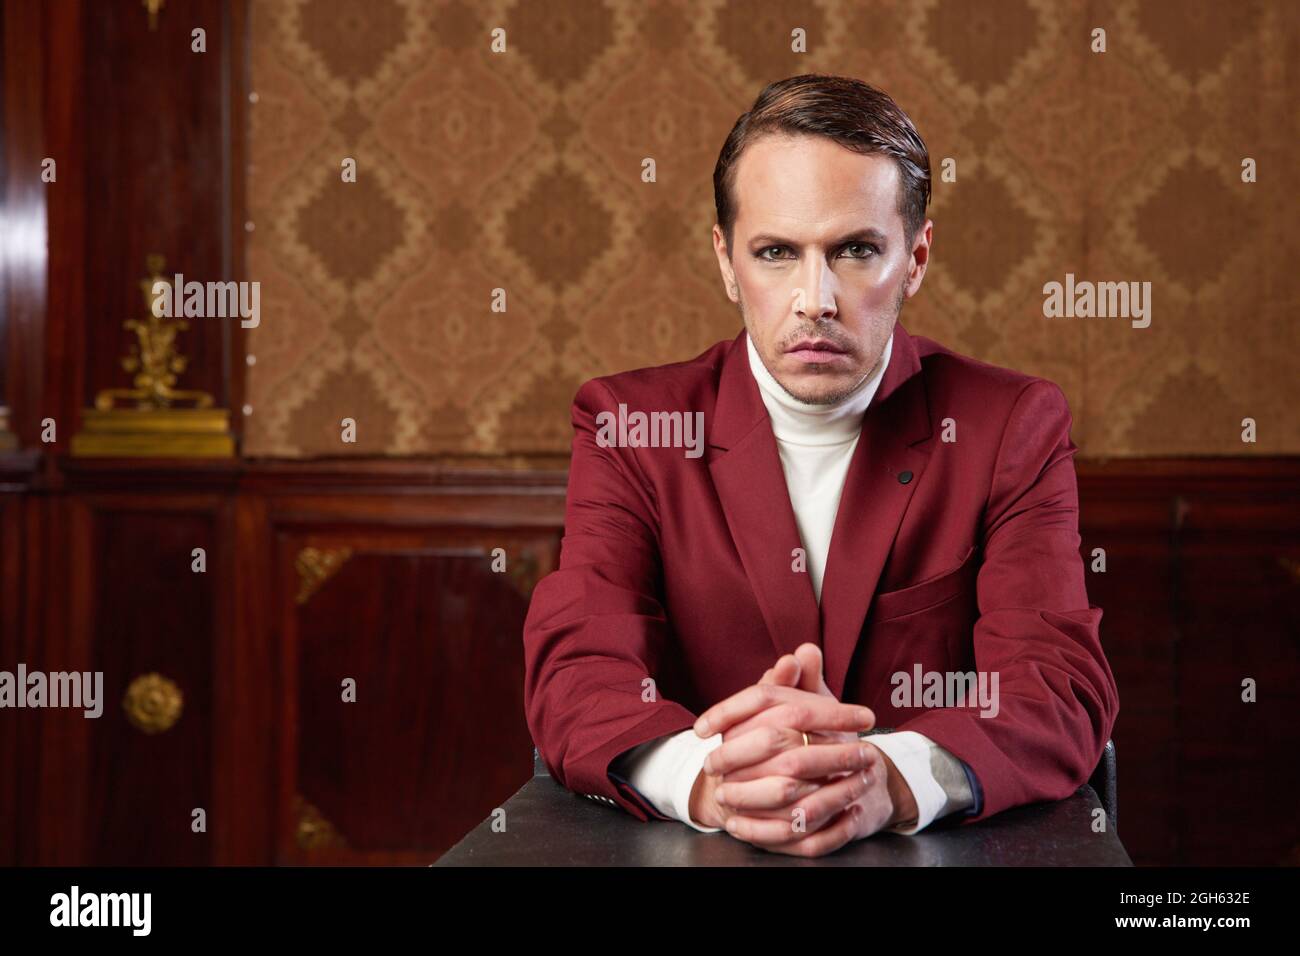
x=547, y=825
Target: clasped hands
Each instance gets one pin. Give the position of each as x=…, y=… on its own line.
x=765, y=787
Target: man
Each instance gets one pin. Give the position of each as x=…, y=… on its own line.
x=869, y=509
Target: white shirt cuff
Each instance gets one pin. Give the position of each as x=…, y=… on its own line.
x=664, y=772
x=914, y=755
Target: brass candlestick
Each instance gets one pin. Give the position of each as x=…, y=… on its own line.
x=159, y=419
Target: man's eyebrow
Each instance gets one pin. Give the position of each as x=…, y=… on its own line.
x=869, y=234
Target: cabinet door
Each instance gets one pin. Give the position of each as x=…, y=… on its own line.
x=402, y=692
x=1138, y=632
x=123, y=599
x=1240, y=618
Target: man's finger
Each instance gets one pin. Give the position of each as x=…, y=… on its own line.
x=795, y=708
x=766, y=793
x=815, y=811
x=756, y=746
x=816, y=735
x=811, y=813
x=785, y=672
x=809, y=657
x=807, y=763
x=846, y=828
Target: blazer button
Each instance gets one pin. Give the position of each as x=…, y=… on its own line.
x=904, y=477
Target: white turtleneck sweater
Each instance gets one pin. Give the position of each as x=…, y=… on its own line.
x=816, y=443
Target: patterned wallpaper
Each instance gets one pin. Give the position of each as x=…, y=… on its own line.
x=522, y=171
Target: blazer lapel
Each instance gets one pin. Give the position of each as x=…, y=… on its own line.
x=884, y=472
x=750, y=483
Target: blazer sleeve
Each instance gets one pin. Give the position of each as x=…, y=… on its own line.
x=596, y=627
x=1036, y=629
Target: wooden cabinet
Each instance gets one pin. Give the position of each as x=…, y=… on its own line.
x=1201, y=591
x=341, y=683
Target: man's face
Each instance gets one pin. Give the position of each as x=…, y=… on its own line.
x=820, y=267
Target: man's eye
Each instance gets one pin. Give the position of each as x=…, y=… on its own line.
x=870, y=250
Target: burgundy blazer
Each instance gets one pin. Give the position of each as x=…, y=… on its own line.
x=955, y=555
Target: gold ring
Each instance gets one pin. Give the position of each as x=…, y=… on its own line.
x=805, y=737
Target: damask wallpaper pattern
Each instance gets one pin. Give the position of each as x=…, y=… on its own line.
x=522, y=171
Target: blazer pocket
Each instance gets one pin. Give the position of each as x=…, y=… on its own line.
x=943, y=587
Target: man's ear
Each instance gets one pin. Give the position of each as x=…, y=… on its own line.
x=724, y=262
x=921, y=258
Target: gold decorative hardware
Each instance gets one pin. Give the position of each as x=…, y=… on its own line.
x=153, y=6
x=153, y=703
x=166, y=433
x=313, y=831
x=316, y=566
x=152, y=426
x=154, y=359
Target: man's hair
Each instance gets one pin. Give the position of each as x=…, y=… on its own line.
x=848, y=111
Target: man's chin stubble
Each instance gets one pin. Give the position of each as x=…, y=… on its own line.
x=830, y=398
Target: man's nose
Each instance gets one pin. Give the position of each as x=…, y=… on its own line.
x=814, y=298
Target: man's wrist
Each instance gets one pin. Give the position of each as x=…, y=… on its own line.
x=701, y=809
x=900, y=795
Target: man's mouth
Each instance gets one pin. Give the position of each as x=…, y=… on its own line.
x=819, y=351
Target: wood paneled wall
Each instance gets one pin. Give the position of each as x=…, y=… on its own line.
x=1201, y=590
x=387, y=575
